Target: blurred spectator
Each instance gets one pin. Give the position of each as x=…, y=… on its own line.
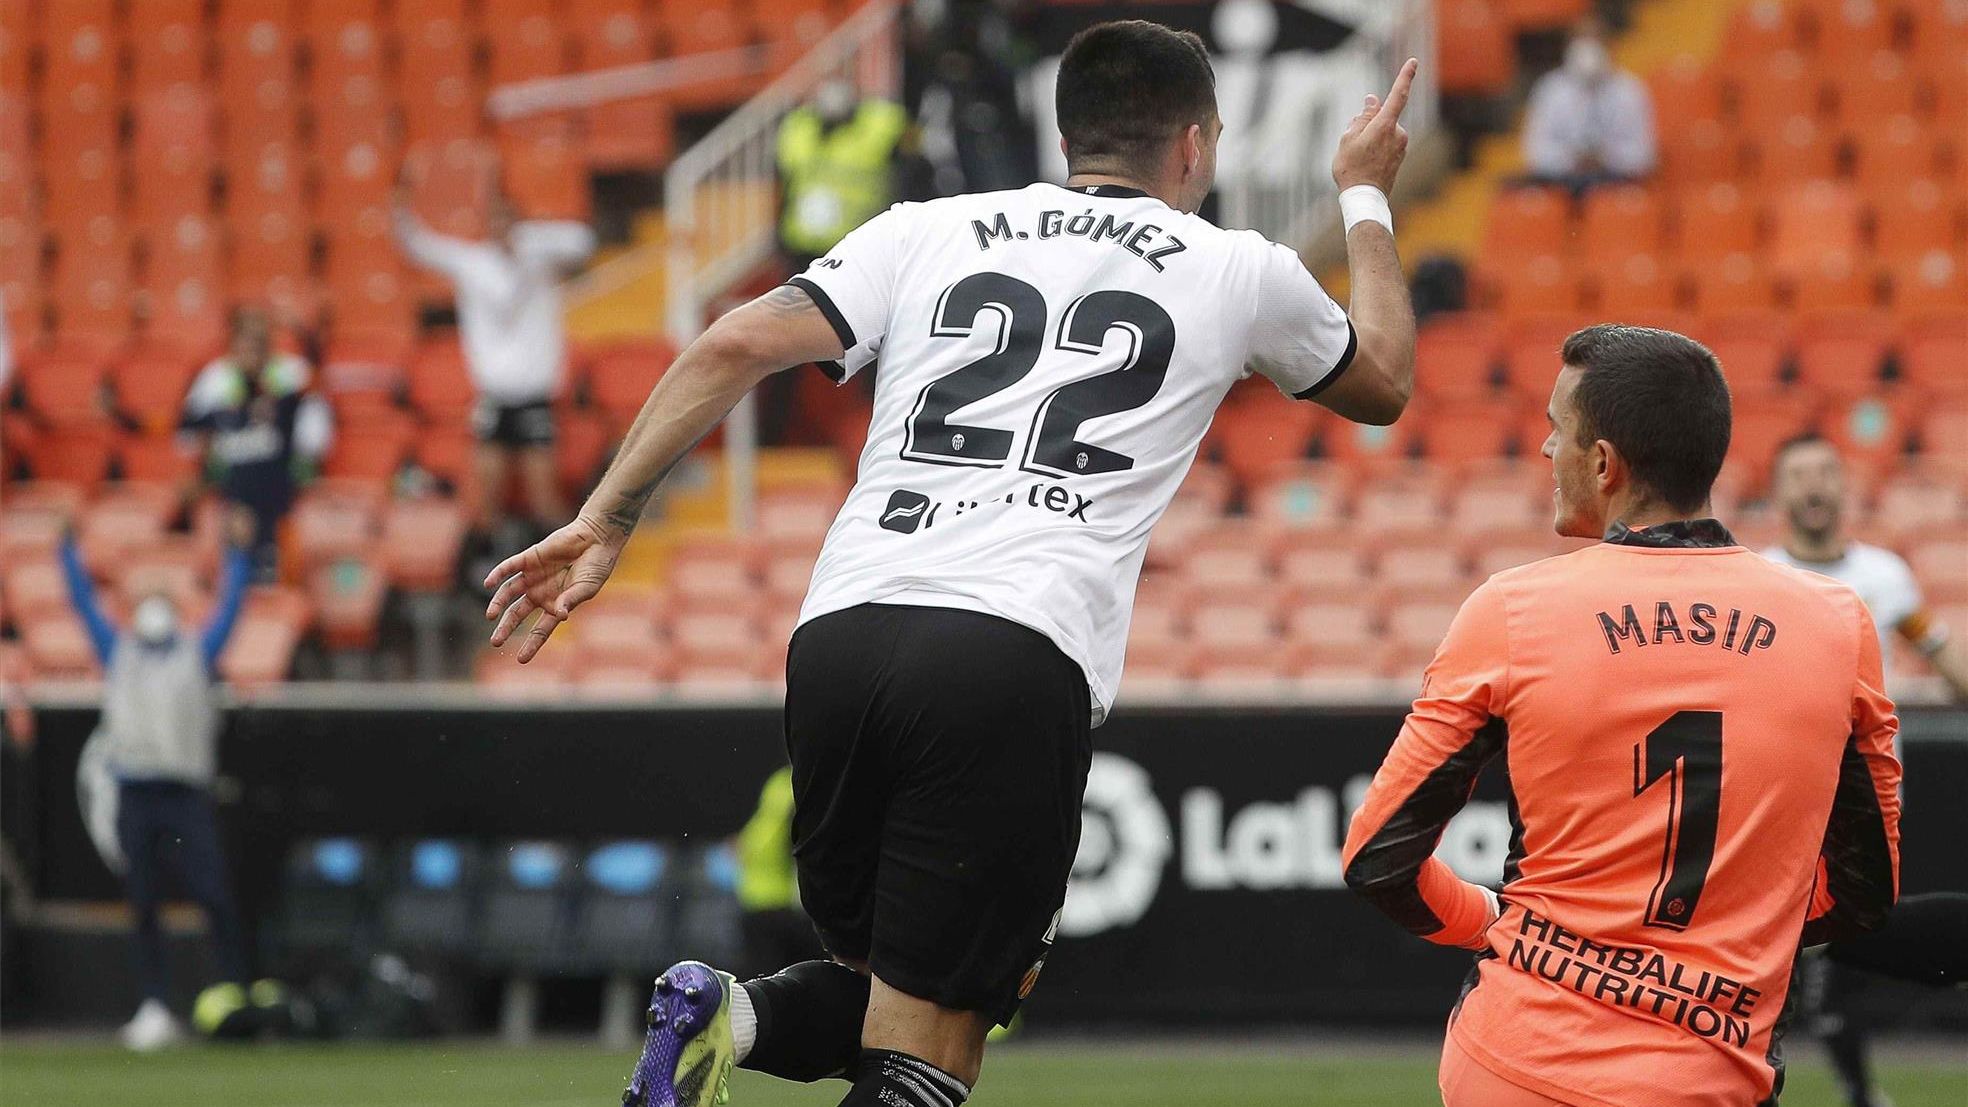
x=1589, y=122
x=777, y=932
x=837, y=159
x=265, y=431
x=963, y=73
x=509, y=320
x=160, y=728
x=1809, y=488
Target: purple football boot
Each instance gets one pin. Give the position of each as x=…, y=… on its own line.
x=687, y=1055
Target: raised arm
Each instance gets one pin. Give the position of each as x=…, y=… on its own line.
x=780, y=329
x=82, y=594
x=1377, y=385
x=424, y=246
x=237, y=570
x=1450, y=735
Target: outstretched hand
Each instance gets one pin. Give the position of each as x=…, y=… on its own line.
x=553, y=577
x=1375, y=143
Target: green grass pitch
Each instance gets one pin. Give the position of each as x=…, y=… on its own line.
x=46, y=1073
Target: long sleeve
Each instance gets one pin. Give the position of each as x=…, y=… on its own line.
x=1451, y=733
x=555, y=243
x=428, y=248
x=1629, y=145
x=1859, y=868
x=1547, y=151
x=82, y=594
x=232, y=592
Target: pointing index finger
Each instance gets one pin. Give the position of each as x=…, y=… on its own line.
x=1397, y=96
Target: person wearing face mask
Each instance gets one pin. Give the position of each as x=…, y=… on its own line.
x=160, y=721
x=836, y=164
x=1588, y=122
x=265, y=430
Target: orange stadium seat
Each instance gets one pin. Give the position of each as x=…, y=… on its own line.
x=371, y=452
x=1932, y=352
x=422, y=540
x=261, y=650
x=79, y=39
x=1913, y=219
x=167, y=42
x=1633, y=285
x=1531, y=353
x=1873, y=429
x=1888, y=156
x=1735, y=284
x=129, y=518
x=715, y=639
x=1470, y=430
x=798, y=513
x=1757, y=434
x=1752, y=346
x=440, y=387
x=1934, y=282
x=1686, y=89
x=57, y=647
x=620, y=377
x=1795, y=148
x=1254, y=435
x=1502, y=506
x=331, y=521
x=344, y=39
x=446, y=109
x=1623, y=220
x=543, y=170
x=1320, y=566
x=1459, y=352
x=1527, y=222
x=1417, y=628
x=710, y=573
x=1774, y=88
x=1812, y=220
x=150, y=387
x=1389, y=507
x=77, y=455
x=1836, y=282
x=34, y=586
x=1848, y=33
x=1703, y=152
x=63, y=390
x=1841, y=353
x=1303, y=495
x=1418, y=563
x=691, y=28
x=526, y=40
x=16, y=42
x=1715, y=222
x=157, y=457
x=1539, y=283
x=1230, y=562
x=1762, y=28
x=1474, y=53
x=1358, y=442
x=1541, y=15
x=1332, y=626
x=1915, y=503
x=582, y=443
x=1876, y=87
x=349, y=593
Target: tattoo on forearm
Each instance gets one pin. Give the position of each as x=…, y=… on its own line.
x=623, y=515
x=786, y=300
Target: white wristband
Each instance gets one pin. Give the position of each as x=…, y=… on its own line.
x=1365, y=203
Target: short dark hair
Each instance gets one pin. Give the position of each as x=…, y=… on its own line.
x=1660, y=399
x=1127, y=87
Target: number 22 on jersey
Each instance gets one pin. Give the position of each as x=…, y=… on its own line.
x=1052, y=445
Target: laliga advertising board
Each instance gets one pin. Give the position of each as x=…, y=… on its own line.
x=1208, y=841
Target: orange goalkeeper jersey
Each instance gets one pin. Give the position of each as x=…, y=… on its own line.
x=1702, y=778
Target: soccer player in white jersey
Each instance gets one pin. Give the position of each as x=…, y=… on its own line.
x=1809, y=488
x=1049, y=358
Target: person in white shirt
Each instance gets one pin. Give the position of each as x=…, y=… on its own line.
x=1588, y=122
x=1809, y=489
x=1050, y=359
x=509, y=321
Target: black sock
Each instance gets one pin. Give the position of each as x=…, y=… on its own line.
x=890, y=1079
x=809, y=1021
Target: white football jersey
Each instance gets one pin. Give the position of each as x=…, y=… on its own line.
x=1049, y=359
x=1883, y=580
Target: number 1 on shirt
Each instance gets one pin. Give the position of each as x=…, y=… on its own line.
x=1686, y=751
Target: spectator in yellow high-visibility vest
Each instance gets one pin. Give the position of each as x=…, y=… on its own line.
x=777, y=932
x=836, y=168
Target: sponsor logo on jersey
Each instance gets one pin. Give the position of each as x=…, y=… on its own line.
x=905, y=511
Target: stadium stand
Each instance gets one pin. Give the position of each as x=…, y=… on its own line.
x=161, y=160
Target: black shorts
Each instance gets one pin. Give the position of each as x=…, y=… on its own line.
x=517, y=425
x=939, y=761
